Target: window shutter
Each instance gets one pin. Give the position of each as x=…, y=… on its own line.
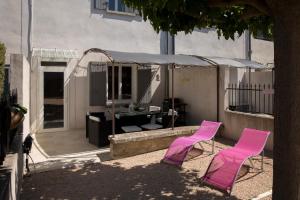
x=144, y=83
x=97, y=87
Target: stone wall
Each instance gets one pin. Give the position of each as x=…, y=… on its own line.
x=131, y=144
x=11, y=173
x=235, y=122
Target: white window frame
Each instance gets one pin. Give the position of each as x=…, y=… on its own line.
x=119, y=99
x=43, y=69
x=116, y=8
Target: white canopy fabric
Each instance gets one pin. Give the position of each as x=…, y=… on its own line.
x=236, y=62
x=99, y=55
x=145, y=58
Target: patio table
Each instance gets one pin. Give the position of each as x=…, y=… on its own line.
x=134, y=118
x=135, y=113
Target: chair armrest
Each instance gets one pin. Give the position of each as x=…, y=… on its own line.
x=95, y=119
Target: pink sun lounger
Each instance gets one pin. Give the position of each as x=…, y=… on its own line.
x=225, y=166
x=180, y=147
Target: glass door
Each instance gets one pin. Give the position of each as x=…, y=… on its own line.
x=53, y=100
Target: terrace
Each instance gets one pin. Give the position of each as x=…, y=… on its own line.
x=140, y=177
x=133, y=158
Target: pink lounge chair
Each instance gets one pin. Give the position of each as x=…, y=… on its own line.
x=181, y=146
x=223, y=170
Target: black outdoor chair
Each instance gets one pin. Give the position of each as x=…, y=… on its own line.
x=99, y=129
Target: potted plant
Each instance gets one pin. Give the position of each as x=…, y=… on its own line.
x=17, y=115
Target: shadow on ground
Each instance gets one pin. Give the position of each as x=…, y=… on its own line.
x=87, y=180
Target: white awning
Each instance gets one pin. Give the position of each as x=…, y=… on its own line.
x=99, y=55
x=142, y=58
x=55, y=54
x=236, y=62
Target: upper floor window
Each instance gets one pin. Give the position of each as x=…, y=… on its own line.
x=113, y=5
x=262, y=36
x=118, y=5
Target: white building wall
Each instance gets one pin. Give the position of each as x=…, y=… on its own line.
x=14, y=27
x=75, y=24
x=197, y=87
x=26, y=95
x=262, y=51
x=65, y=24
x=205, y=42
x=10, y=26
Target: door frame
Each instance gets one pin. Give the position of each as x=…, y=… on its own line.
x=41, y=99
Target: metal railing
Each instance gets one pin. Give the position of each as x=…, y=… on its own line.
x=251, y=98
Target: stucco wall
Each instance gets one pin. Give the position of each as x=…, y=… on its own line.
x=205, y=42
x=16, y=75
x=14, y=27
x=197, y=87
x=235, y=122
x=12, y=171
x=20, y=80
x=74, y=24
x=26, y=96
x=262, y=51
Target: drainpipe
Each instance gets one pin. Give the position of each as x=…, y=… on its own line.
x=248, y=50
x=29, y=53
x=30, y=28
x=248, y=53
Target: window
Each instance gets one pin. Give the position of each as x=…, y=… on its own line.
x=126, y=82
x=112, y=5
x=53, y=64
x=118, y=5
x=123, y=82
x=263, y=36
x=116, y=75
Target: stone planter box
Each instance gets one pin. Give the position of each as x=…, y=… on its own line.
x=130, y=144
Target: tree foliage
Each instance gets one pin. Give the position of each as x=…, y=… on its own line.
x=2, y=63
x=228, y=17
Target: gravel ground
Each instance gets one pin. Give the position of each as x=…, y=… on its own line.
x=140, y=177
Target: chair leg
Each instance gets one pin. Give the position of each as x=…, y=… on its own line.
x=262, y=160
x=201, y=146
x=213, y=146
x=251, y=163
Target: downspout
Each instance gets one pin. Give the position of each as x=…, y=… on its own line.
x=30, y=28
x=29, y=55
x=248, y=52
